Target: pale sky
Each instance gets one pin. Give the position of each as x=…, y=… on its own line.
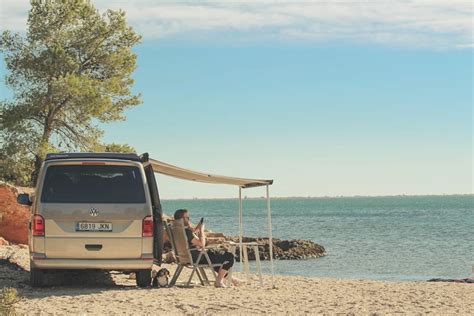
x=326, y=98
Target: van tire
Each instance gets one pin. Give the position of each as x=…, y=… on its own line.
x=143, y=277
x=36, y=277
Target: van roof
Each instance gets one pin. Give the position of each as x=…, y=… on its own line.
x=120, y=156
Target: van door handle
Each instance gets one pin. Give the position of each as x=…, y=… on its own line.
x=93, y=247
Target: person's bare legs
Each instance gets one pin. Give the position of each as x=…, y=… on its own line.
x=220, y=276
x=237, y=282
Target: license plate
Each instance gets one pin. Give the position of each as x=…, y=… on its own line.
x=94, y=227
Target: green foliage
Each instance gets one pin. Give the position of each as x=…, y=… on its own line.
x=119, y=148
x=71, y=71
x=15, y=167
x=8, y=297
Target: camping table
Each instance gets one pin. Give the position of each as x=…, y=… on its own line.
x=245, y=258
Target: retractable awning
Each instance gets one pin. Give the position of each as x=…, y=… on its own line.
x=191, y=175
x=186, y=174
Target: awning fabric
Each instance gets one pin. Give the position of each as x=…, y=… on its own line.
x=186, y=174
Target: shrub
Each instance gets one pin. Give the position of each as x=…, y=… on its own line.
x=8, y=297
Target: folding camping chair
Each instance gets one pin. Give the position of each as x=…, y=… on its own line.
x=180, y=245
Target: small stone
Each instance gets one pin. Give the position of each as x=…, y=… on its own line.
x=4, y=242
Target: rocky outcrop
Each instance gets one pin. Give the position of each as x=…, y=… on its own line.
x=282, y=249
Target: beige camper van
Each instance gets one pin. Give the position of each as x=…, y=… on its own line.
x=92, y=211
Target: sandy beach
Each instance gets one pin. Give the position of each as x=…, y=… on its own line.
x=116, y=293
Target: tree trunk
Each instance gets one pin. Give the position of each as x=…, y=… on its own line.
x=39, y=155
x=34, y=175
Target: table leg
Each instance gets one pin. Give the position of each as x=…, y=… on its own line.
x=259, y=268
x=246, y=261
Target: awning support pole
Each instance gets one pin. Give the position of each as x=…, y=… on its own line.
x=241, y=225
x=270, y=237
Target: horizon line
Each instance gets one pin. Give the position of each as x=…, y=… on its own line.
x=323, y=197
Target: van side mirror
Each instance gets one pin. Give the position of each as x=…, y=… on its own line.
x=24, y=199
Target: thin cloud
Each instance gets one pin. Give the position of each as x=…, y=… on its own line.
x=433, y=23
x=13, y=15
x=470, y=45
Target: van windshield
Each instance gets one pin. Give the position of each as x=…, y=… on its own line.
x=93, y=184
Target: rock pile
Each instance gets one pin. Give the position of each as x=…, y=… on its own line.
x=282, y=249
x=15, y=254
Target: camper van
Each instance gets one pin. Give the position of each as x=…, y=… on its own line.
x=94, y=211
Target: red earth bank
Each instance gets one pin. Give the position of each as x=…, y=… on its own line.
x=13, y=216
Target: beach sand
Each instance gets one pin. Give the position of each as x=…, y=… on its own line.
x=116, y=293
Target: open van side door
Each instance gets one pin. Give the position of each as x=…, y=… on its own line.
x=157, y=211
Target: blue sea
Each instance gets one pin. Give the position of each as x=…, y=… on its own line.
x=384, y=238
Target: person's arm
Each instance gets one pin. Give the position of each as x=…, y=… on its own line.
x=200, y=241
x=202, y=235
x=194, y=227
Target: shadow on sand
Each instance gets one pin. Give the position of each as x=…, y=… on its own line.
x=61, y=282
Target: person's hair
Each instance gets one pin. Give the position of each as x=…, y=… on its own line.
x=180, y=213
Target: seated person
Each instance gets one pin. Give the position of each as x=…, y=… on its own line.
x=199, y=241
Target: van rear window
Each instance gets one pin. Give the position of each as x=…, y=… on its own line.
x=93, y=184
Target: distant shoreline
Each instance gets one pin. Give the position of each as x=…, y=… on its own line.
x=323, y=197
x=31, y=189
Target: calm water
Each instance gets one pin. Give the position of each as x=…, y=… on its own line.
x=388, y=238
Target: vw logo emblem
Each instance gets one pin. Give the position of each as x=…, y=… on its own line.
x=93, y=212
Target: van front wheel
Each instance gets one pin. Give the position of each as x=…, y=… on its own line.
x=36, y=277
x=143, y=277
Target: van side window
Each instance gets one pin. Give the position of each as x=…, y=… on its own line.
x=93, y=184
